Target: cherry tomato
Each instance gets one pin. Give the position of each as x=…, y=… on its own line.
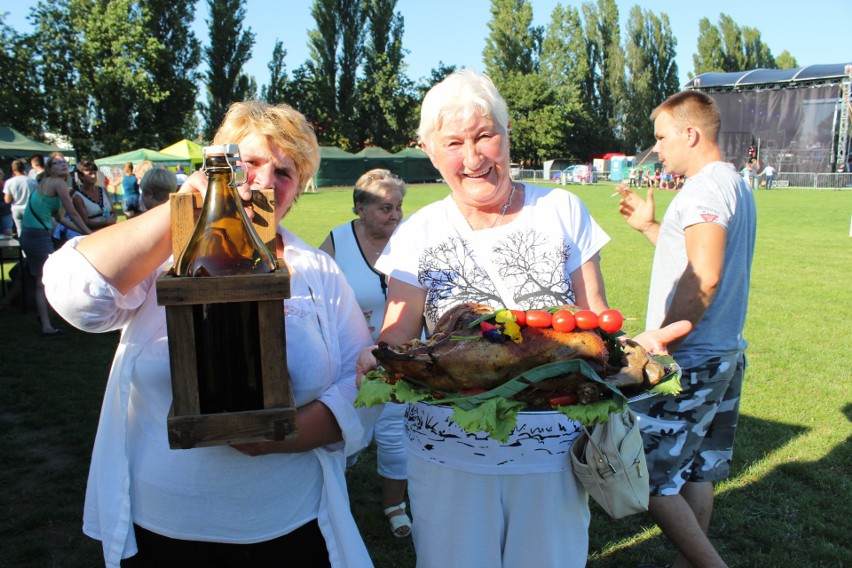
x=562, y=400
x=539, y=318
x=563, y=321
x=586, y=319
x=610, y=320
x=520, y=317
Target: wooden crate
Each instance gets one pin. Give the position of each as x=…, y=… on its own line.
x=187, y=426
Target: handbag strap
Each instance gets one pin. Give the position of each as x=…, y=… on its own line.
x=32, y=209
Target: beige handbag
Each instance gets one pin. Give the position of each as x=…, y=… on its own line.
x=610, y=463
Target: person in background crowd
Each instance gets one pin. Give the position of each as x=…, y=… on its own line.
x=768, y=174
x=356, y=246
x=130, y=188
x=36, y=165
x=7, y=223
x=260, y=504
x=91, y=201
x=478, y=501
x=180, y=175
x=43, y=210
x=701, y=272
x=156, y=186
x=17, y=192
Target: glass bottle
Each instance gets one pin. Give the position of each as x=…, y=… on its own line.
x=224, y=243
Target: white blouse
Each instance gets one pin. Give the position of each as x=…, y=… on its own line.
x=198, y=494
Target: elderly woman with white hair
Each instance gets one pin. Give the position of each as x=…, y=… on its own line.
x=477, y=501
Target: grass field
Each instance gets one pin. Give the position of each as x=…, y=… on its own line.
x=787, y=503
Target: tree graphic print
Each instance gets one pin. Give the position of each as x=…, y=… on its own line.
x=531, y=264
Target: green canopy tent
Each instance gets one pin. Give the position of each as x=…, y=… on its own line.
x=136, y=157
x=417, y=167
x=338, y=167
x=374, y=157
x=112, y=166
x=15, y=146
x=186, y=149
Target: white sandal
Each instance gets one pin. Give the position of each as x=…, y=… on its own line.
x=400, y=524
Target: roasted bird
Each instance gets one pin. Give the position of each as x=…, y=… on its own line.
x=452, y=361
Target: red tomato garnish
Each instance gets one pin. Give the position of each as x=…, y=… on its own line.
x=586, y=319
x=520, y=317
x=610, y=320
x=485, y=326
x=562, y=400
x=539, y=318
x=563, y=321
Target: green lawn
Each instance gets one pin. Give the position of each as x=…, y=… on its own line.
x=786, y=504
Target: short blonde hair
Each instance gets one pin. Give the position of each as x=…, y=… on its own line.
x=373, y=185
x=692, y=108
x=462, y=95
x=282, y=125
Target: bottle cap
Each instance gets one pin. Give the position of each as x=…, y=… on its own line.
x=231, y=153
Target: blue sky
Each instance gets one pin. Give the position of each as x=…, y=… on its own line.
x=454, y=31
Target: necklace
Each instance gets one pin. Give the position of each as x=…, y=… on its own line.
x=505, y=207
x=365, y=240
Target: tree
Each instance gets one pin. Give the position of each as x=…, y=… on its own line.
x=65, y=101
x=436, y=75
x=385, y=94
x=21, y=108
x=538, y=120
x=276, y=91
x=786, y=61
x=564, y=63
x=729, y=48
x=652, y=74
x=605, y=79
x=352, y=20
x=710, y=57
x=512, y=44
x=172, y=66
x=230, y=48
x=335, y=48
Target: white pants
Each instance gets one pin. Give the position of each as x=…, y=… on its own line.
x=466, y=520
x=391, y=455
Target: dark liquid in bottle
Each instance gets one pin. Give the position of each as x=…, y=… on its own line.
x=228, y=355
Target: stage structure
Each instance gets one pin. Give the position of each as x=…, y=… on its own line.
x=794, y=119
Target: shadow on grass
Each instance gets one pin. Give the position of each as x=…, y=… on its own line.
x=794, y=514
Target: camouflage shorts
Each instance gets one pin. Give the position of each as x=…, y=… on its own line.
x=690, y=437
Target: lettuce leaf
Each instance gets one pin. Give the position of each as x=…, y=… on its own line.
x=498, y=416
x=592, y=413
x=373, y=392
x=670, y=386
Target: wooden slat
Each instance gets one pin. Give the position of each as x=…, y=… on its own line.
x=174, y=291
x=231, y=428
x=182, y=360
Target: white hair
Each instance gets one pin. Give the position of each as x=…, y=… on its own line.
x=461, y=95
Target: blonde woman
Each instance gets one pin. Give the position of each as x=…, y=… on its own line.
x=42, y=213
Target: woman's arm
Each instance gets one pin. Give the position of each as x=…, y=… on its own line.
x=328, y=245
x=589, y=291
x=78, y=224
x=403, y=321
x=126, y=253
